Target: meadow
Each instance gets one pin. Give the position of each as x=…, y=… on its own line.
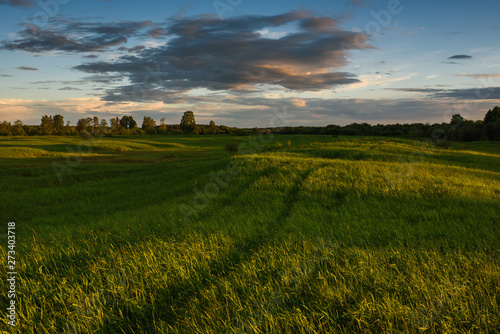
x=291, y=234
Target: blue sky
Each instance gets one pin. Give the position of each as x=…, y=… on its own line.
x=241, y=62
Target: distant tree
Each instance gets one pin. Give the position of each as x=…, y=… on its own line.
x=115, y=125
x=58, y=124
x=69, y=130
x=128, y=122
x=224, y=129
x=492, y=115
x=333, y=130
x=103, y=126
x=492, y=124
x=212, y=128
x=457, y=120
x=149, y=124
x=47, y=125
x=95, y=123
x=5, y=129
x=163, y=126
x=188, y=123
x=84, y=125
x=81, y=125
x=18, y=129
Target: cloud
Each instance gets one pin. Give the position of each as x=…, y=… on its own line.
x=479, y=93
x=136, y=48
x=460, y=57
x=480, y=76
x=157, y=32
x=205, y=52
x=416, y=90
x=488, y=93
x=26, y=68
x=69, y=88
x=65, y=35
x=249, y=111
x=106, y=80
x=18, y=3
x=6, y=75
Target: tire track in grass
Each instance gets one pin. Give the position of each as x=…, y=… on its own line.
x=308, y=268
x=291, y=198
x=179, y=296
x=172, y=303
x=222, y=201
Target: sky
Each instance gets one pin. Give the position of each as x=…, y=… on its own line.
x=250, y=63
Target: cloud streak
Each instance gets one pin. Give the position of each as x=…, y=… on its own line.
x=18, y=3
x=481, y=75
x=26, y=68
x=247, y=111
x=460, y=57
x=483, y=93
x=69, y=36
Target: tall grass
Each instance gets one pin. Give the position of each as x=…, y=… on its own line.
x=344, y=235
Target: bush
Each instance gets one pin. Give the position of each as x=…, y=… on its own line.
x=240, y=132
x=232, y=147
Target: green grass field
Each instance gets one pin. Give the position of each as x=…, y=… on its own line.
x=295, y=234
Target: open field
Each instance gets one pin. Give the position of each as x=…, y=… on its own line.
x=314, y=234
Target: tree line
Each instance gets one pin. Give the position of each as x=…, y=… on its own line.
x=458, y=129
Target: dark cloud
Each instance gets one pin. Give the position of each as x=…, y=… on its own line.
x=460, y=57
x=415, y=90
x=69, y=88
x=18, y=3
x=483, y=93
x=205, y=52
x=65, y=35
x=136, y=48
x=488, y=93
x=157, y=32
x=451, y=62
x=26, y=68
x=5, y=75
x=43, y=82
x=91, y=79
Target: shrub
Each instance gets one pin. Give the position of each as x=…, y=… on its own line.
x=232, y=147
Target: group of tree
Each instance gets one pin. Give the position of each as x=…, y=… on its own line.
x=459, y=129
